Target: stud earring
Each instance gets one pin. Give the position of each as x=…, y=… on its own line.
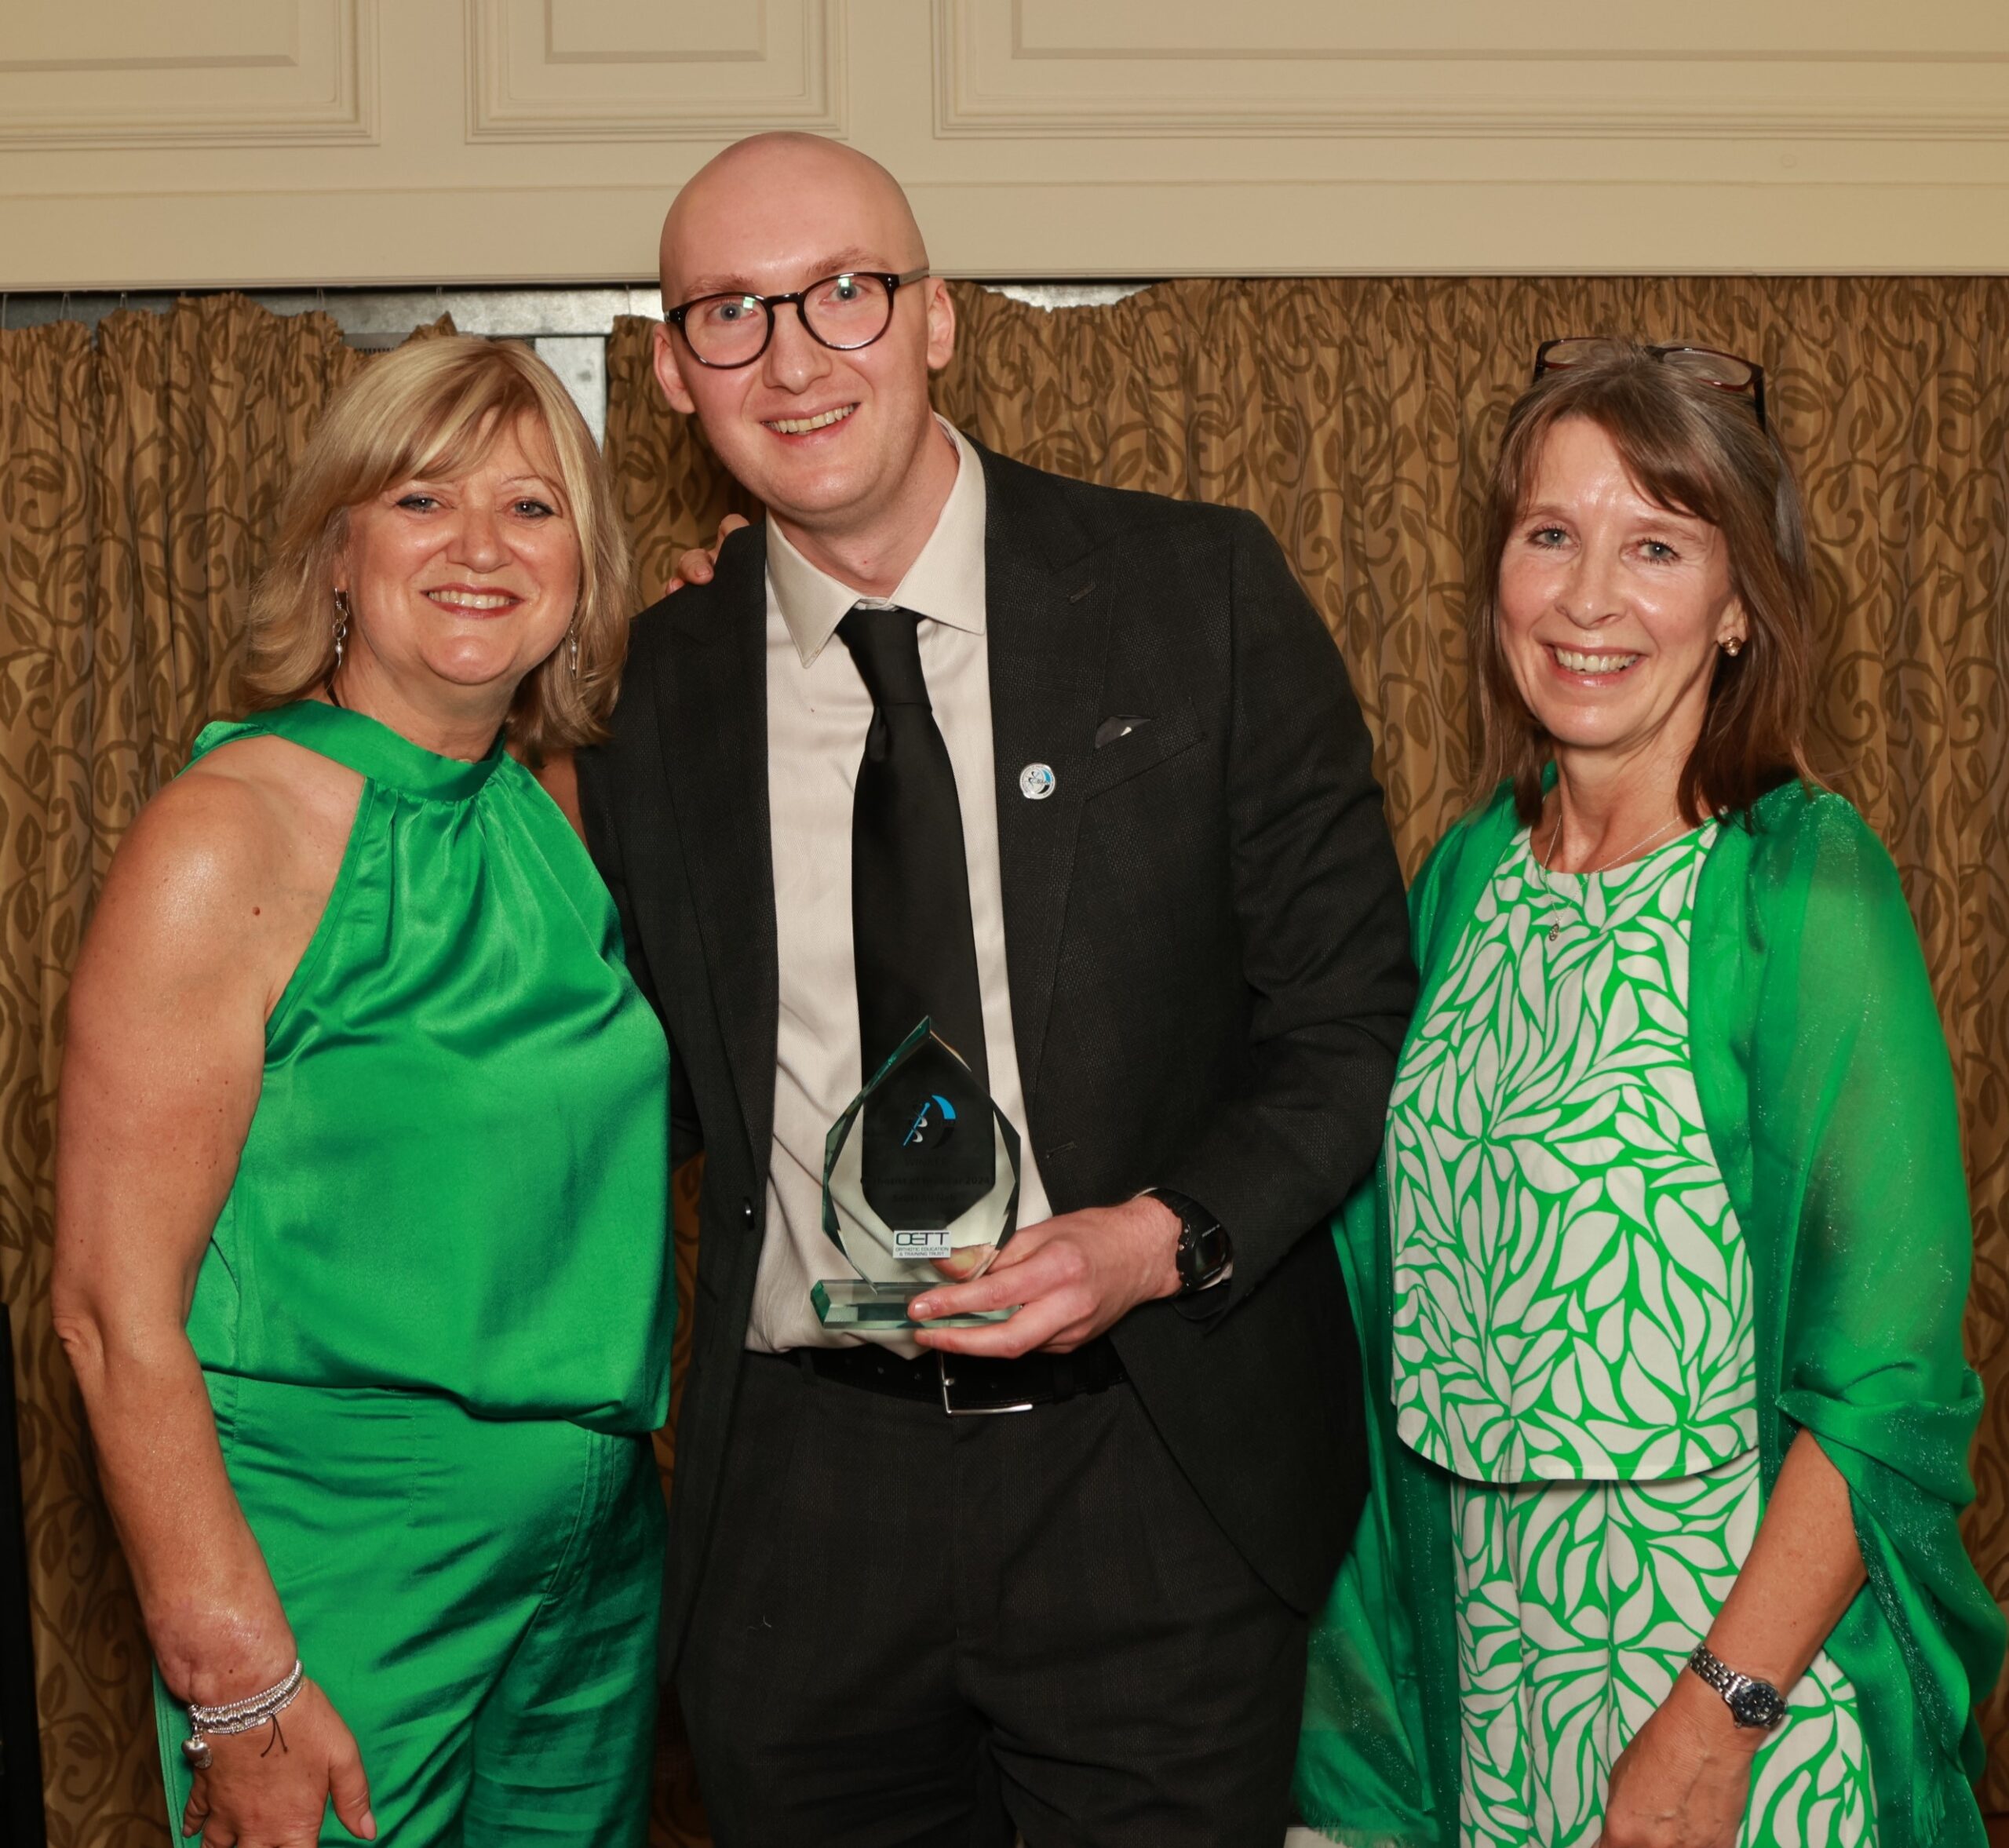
x=1733, y=646
x=342, y=626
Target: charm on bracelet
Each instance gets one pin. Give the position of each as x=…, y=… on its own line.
x=232, y=1717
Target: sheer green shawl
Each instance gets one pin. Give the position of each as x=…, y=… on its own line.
x=1828, y=1097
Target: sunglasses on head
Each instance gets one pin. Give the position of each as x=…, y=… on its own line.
x=1727, y=372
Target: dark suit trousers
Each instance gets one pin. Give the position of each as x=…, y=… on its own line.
x=913, y=1629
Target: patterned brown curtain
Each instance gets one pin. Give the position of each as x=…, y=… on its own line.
x=139, y=477
x=1358, y=418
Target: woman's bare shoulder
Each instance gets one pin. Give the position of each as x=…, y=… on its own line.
x=276, y=771
x=252, y=804
x=219, y=860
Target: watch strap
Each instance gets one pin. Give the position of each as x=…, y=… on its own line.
x=1752, y=1702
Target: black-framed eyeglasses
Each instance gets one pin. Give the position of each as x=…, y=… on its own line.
x=844, y=312
x=1727, y=372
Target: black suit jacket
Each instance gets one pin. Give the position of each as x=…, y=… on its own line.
x=1208, y=949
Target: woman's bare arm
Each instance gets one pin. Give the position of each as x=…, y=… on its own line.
x=208, y=906
x=1804, y=1570
x=1685, y=1780
x=166, y=1052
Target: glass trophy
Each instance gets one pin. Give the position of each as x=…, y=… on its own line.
x=920, y=1187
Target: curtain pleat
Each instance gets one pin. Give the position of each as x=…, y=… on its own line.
x=1358, y=417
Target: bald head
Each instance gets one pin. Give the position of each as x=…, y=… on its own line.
x=776, y=203
x=838, y=442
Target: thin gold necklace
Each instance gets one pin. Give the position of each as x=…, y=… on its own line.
x=1555, y=834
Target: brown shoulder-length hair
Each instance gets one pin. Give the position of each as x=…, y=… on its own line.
x=1695, y=448
x=432, y=408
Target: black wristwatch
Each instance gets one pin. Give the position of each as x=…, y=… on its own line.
x=1205, y=1253
x=1752, y=1702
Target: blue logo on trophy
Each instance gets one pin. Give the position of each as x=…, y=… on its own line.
x=933, y=1123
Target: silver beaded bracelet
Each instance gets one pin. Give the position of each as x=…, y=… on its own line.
x=238, y=1716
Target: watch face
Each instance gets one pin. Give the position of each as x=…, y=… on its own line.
x=1202, y=1254
x=1757, y=1704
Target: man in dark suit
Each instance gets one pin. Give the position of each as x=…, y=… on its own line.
x=1077, y=772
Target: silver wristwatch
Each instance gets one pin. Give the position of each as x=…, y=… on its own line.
x=1752, y=1702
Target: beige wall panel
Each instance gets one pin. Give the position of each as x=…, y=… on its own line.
x=626, y=70
x=538, y=141
x=157, y=73
x=1465, y=68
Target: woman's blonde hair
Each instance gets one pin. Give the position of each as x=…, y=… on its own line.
x=1694, y=448
x=432, y=408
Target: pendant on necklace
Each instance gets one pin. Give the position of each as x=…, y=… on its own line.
x=1555, y=930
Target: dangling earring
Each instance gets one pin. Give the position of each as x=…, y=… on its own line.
x=1733, y=646
x=341, y=629
x=573, y=634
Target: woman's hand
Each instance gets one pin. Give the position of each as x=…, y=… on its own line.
x=695, y=566
x=264, y=1789
x=1684, y=1780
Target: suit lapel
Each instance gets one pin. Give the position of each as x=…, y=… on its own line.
x=712, y=695
x=1048, y=615
x=1047, y=619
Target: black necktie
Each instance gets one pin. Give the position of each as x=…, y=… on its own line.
x=913, y=940
x=912, y=943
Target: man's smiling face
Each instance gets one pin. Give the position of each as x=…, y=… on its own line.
x=826, y=439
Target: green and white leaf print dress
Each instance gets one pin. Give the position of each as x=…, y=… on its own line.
x=1573, y=1342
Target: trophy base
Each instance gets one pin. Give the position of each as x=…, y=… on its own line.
x=857, y=1302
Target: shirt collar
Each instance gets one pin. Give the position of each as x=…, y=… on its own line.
x=944, y=583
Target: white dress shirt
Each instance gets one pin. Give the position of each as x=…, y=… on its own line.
x=818, y=714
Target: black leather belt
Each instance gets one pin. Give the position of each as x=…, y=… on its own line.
x=969, y=1385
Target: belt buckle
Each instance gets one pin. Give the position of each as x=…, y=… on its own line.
x=955, y=1411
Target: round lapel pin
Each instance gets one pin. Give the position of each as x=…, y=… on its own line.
x=1036, y=782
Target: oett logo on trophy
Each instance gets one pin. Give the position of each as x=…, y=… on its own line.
x=920, y=1187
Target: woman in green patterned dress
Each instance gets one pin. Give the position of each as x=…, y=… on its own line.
x=1665, y=1263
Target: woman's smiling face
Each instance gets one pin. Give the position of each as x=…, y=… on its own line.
x=470, y=579
x=1610, y=609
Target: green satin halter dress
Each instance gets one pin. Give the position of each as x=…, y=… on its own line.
x=435, y=1316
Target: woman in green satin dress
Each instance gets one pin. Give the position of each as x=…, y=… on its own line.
x=362, y=1258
